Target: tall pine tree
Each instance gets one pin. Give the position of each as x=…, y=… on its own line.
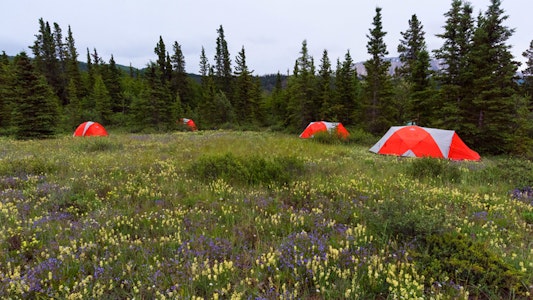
x=377, y=79
x=37, y=108
x=493, y=107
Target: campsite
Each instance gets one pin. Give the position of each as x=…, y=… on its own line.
x=219, y=214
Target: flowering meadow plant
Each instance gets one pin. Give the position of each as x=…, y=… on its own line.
x=247, y=215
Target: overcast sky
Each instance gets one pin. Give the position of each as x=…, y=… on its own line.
x=271, y=31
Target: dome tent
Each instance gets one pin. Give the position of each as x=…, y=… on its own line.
x=189, y=123
x=90, y=128
x=321, y=126
x=416, y=141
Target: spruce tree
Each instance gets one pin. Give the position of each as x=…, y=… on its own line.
x=246, y=96
x=493, y=107
x=377, y=80
x=7, y=96
x=302, y=91
x=112, y=77
x=455, y=79
x=325, y=97
x=72, y=65
x=527, y=73
x=36, y=110
x=223, y=72
x=181, y=85
x=415, y=71
x=347, y=84
x=102, y=101
x=46, y=60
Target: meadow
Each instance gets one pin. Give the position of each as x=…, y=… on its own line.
x=258, y=215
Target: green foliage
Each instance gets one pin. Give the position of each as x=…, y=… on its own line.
x=29, y=165
x=326, y=137
x=97, y=144
x=428, y=168
x=403, y=217
x=253, y=170
x=454, y=257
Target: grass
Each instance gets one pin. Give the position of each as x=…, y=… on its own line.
x=248, y=215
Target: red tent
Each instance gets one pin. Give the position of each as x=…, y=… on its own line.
x=418, y=141
x=90, y=129
x=330, y=127
x=190, y=123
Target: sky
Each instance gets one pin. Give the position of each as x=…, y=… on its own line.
x=270, y=31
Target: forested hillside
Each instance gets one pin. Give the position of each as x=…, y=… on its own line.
x=476, y=91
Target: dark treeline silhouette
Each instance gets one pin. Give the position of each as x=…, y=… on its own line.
x=476, y=92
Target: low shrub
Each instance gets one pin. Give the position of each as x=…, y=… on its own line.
x=453, y=257
x=253, y=170
x=98, y=144
x=427, y=167
x=30, y=165
x=325, y=137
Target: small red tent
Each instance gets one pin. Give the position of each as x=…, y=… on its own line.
x=190, y=123
x=90, y=129
x=418, y=141
x=319, y=126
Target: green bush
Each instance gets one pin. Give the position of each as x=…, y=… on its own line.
x=252, y=170
x=427, y=167
x=31, y=165
x=325, y=137
x=454, y=257
x=98, y=144
x=404, y=218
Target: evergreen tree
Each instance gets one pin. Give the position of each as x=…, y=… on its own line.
x=325, y=89
x=7, y=96
x=528, y=74
x=347, y=86
x=181, y=85
x=102, y=101
x=163, y=61
x=36, y=110
x=112, y=76
x=302, y=92
x=73, y=109
x=415, y=71
x=46, y=58
x=247, y=98
x=72, y=65
x=493, y=108
x=456, y=77
x=223, y=72
x=377, y=79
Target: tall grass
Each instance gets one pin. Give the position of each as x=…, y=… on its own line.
x=248, y=215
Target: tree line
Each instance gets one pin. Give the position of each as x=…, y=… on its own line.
x=477, y=91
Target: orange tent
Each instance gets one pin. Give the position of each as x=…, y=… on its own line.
x=315, y=127
x=90, y=129
x=418, y=141
x=190, y=123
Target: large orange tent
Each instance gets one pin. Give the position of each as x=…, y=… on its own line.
x=323, y=126
x=190, y=123
x=90, y=128
x=416, y=141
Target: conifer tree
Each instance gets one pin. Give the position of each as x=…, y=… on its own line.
x=455, y=78
x=302, y=91
x=46, y=58
x=347, y=86
x=102, y=101
x=36, y=110
x=180, y=82
x=325, y=89
x=528, y=74
x=246, y=97
x=415, y=71
x=7, y=97
x=112, y=78
x=493, y=108
x=377, y=79
x=72, y=65
x=223, y=72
